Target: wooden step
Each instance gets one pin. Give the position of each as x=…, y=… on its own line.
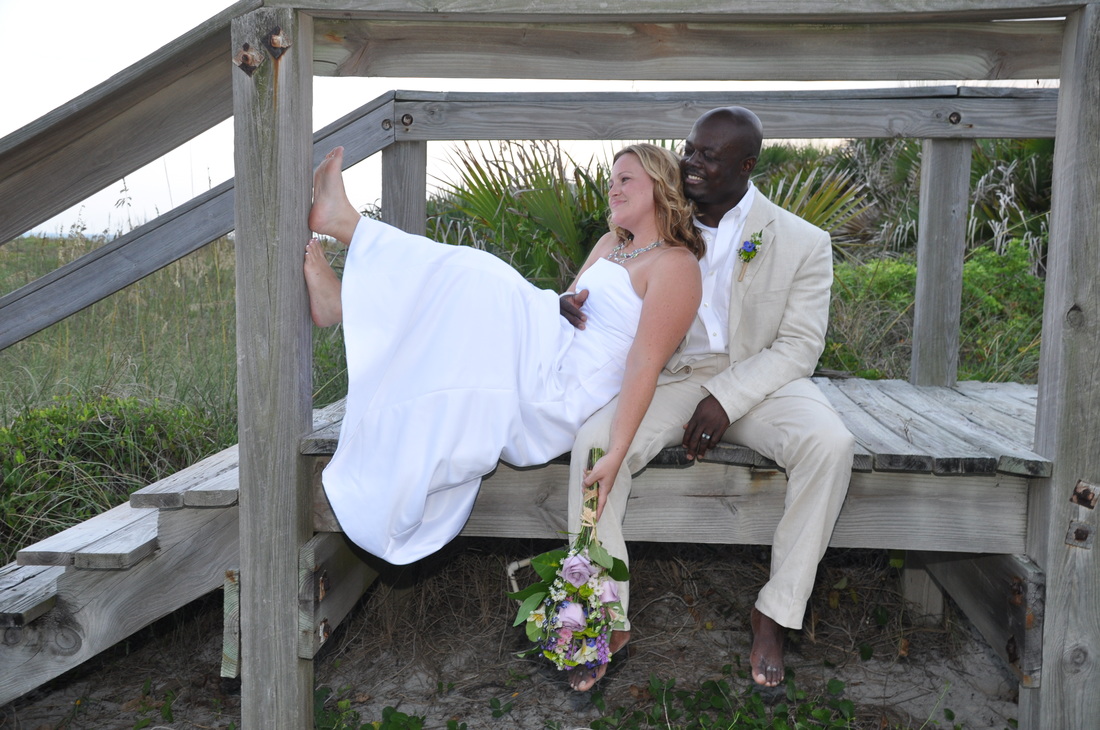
x=26, y=592
x=117, y=539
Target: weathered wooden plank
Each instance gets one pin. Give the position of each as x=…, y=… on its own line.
x=941, y=244
x=891, y=452
x=62, y=547
x=231, y=624
x=124, y=123
x=669, y=115
x=997, y=397
x=26, y=592
x=168, y=237
x=950, y=455
x=273, y=163
x=931, y=401
x=333, y=575
x=1003, y=596
x=404, y=186
x=723, y=504
x=717, y=49
x=169, y=493
x=96, y=609
x=121, y=550
x=1017, y=430
x=1068, y=412
x=683, y=10
x=717, y=503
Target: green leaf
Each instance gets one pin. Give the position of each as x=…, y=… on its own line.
x=598, y=554
x=835, y=686
x=528, y=606
x=619, y=571
x=547, y=564
x=522, y=595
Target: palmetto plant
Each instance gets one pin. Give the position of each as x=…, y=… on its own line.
x=528, y=203
x=828, y=197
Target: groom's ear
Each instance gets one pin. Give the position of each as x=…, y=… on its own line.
x=748, y=165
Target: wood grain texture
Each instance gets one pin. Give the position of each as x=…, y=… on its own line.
x=333, y=574
x=26, y=592
x=131, y=119
x=1068, y=416
x=670, y=115
x=785, y=10
x=1003, y=596
x=941, y=245
x=713, y=49
x=96, y=609
x=273, y=164
x=120, y=531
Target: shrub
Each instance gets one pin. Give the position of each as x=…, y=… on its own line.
x=69, y=461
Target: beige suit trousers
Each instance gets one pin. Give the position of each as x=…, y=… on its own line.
x=795, y=426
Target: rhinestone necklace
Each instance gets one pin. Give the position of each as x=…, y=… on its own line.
x=617, y=256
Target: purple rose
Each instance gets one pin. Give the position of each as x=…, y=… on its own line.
x=572, y=616
x=609, y=592
x=577, y=570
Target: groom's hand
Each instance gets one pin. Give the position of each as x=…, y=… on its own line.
x=705, y=428
x=570, y=307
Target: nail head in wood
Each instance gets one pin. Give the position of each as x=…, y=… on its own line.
x=248, y=59
x=1080, y=535
x=1085, y=494
x=277, y=43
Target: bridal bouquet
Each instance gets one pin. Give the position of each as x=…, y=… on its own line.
x=571, y=612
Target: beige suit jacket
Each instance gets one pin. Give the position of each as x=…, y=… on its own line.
x=778, y=312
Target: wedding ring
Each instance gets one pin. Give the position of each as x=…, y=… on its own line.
x=706, y=436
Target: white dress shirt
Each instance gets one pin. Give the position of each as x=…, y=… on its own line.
x=709, y=332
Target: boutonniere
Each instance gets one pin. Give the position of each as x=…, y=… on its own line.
x=748, y=250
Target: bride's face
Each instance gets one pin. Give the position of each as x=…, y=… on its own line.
x=631, y=193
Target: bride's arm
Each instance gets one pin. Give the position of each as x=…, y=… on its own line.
x=671, y=301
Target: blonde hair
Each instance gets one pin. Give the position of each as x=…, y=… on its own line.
x=675, y=213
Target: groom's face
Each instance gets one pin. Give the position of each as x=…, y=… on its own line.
x=716, y=163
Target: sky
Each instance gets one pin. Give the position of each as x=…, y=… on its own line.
x=38, y=73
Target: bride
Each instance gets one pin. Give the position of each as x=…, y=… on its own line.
x=456, y=362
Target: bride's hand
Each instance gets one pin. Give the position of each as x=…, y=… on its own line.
x=603, y=472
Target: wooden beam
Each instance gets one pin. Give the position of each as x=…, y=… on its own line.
x=272, y=121
x=1062, y=528
x=1003, y=596
x=404, y=186
x=333, y=575
x=941, y=246
x=935, y=112
x=717, y=503
x=581, y=11
x=435, y=46
x=169, y=237
x=128, y=121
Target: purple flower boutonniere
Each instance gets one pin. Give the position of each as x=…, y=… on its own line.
x=748, y=250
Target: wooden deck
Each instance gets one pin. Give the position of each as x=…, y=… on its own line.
x=936, y=468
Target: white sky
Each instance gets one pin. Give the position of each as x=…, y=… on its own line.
x=45, y=62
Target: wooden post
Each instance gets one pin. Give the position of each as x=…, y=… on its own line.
x=941, y=245
x=1062, y=528
x=404, y=186
x=272, y=107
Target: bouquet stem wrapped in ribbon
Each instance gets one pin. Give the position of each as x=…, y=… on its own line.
x=570, y=613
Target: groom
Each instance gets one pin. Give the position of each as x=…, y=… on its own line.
x=742, y=375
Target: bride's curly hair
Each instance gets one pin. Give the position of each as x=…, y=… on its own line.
x=675, y=213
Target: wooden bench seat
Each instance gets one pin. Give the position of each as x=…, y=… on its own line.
x=936, y=468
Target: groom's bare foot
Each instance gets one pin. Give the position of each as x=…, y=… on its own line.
x=584, y=679
x=323, y=285
x=766, y=657
x=332, y=213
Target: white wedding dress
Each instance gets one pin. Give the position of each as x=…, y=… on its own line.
x=455, y=362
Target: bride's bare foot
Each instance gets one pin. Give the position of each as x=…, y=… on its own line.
x=584, y=679
x=766, y=657
x=332, y=213
x=323, y=285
